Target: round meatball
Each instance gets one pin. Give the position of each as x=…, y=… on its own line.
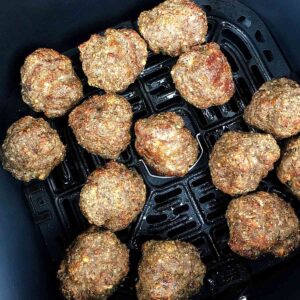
x=261, y=223
x=113, y=61
x=288, y=171
x=49, y=83
x=170, y=270
x=113, y=196
x=102, y=125
x=165, y=144
x=173, y=26
x=240, y=160
x=95, y=263
x=275, y=108
x=203, y=76
x=31, y=149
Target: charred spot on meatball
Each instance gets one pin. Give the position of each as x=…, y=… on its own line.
x=170, y=270
x=173, y=26
x=166, y=144
x=113, y=61
x=102, y=125
x=31, y=149
x=240, y=160
x=49, y=83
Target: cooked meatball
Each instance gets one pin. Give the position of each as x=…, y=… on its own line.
x=31, y=149
x=261, y=223
x=113, y=196
x=203, y=76
x=173, y=26
x=240, y=160
x=170, y=270
x=102, y=124
x=275, y=108
x=95, y=263
x=49, y=83
x=288, y=171
x=113, y=61
x=165, y=144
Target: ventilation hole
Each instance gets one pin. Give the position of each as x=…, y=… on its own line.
x=231, y=60
x=152, y=76
x=163, y=197
x=207, y=8
x=217, y=112
x=154, y=219
x=134, y=100
x=228, y=34
x=181, y=229
x=259, y=37
x=202, y=180
x=70, y=214
x=181, y=209
x=206, y=198
x=216, y=213
x=158, y=90
x=257, y=75
x=244, y=90
x=269, y=55
x=169, y=102
x=207, y=116
x=245, y=21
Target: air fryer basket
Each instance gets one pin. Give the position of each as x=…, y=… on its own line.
x=188, y=208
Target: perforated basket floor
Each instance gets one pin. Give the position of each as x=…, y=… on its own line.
x=188, y=208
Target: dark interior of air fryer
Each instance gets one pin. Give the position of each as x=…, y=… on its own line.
x=188, y=208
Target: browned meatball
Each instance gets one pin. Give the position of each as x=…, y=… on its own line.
x=165, y=144
x=102, y=124
x=95, y=263
x=49, y=83
x=173, y=26
x=240, y=160
x=170, y=270
x=113, y=61
x=31, y=149
x=113, y=196
x=261, y=223
x=275, y=108
x=288, y=171
x=203, y=76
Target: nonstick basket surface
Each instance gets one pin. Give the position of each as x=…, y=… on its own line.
x=187, y=208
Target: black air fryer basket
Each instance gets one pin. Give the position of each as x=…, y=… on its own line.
x=188, y=208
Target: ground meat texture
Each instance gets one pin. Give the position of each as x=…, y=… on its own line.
x=203, y=76
x=275, y=108
x=288, y=171
x=165, y=144
x=240, y=160
x=173, y=26
x=170, y=270
x=102, y=125
x=113, y=196
x=31, y=149
x=49, y=83
x=95, y=263
x=113, y=61
x=261, y=223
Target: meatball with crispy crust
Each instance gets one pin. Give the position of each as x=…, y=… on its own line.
x=261, y=223
x=275, y=108
x=49, y=83
x=170, y=270
x=113, y=196
x=113, y=61
x=288, y=171
x=31, y=149
x=173, y=26
x=95, y=263
x=240, y=160
x=203, y=76
x=165, y=144
x=102, y=125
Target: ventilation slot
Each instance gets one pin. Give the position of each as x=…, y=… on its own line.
x=164, y=197
x=180, y=209
x=181, y=229
x=245, y=21
x=259, y=36
x=257, y=75
x=154, y=219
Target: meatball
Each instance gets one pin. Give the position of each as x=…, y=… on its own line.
x=113, y=61
x=261, y=223
x=165, y=144
x=240, y=160
x=170, y=270
x=113, y=196
x=49, y=83
x=173, y=26
x=203, y=76
x=288, y=171
x=95, y=263
x=31, y=149
x=275, y=108
x=102, y=125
